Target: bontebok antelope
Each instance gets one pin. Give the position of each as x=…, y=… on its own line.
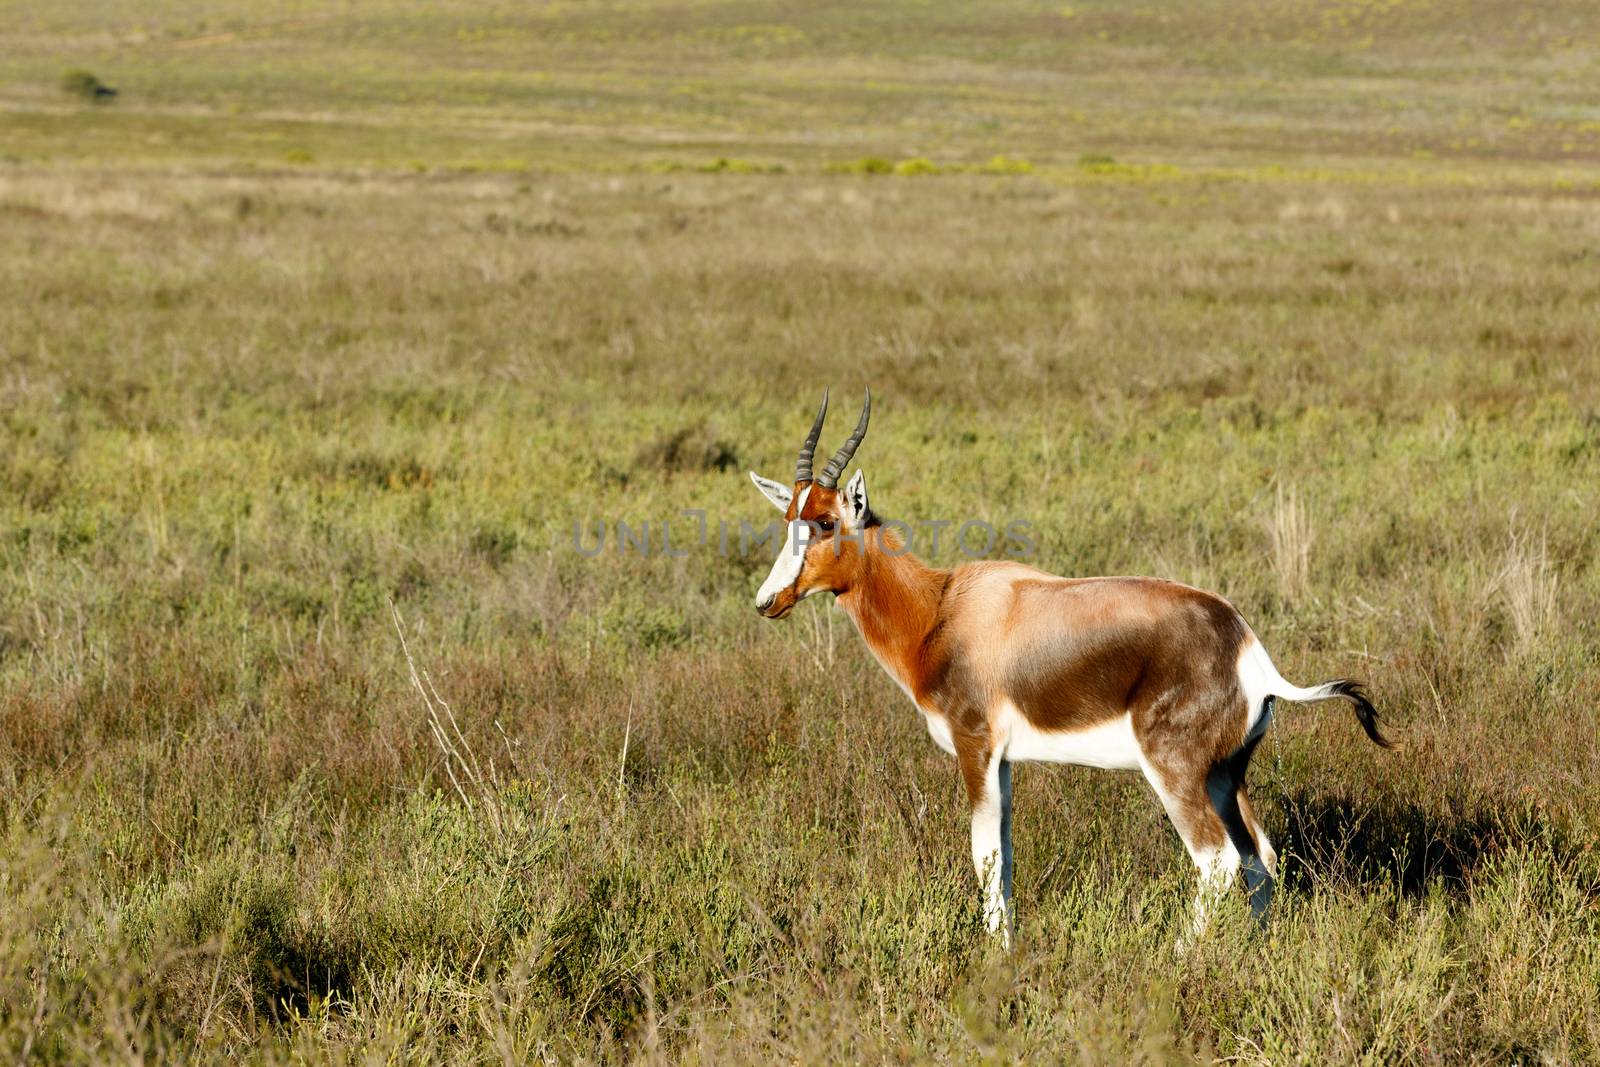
x=1008, y=663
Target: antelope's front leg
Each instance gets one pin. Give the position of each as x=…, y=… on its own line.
x=988, y=781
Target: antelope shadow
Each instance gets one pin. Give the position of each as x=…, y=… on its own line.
x=1401, y=844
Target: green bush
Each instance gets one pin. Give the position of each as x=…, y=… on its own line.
x=86, y=86
x=1006, y=165
x=864, y=165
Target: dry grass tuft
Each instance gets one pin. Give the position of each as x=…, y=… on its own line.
x=1529, y=585
x=1290, y=532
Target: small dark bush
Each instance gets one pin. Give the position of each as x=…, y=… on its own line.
x=84, y=84
x=691, y=448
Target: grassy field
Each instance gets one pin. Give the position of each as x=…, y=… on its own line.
x=328, y=330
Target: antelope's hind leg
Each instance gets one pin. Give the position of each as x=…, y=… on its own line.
x=1184, y=794
x=1225, y=788
x=1264, y=850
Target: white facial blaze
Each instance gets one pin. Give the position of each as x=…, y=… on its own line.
x=791, y=557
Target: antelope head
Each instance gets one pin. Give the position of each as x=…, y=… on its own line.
x=822, y=546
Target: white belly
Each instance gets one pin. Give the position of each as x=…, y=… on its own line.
x=939, y=730
x=1111, y=744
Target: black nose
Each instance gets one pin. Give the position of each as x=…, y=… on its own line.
x=763, y=605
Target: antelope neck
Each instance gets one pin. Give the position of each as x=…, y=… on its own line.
x=895, y=603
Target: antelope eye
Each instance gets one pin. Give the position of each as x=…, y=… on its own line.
x=825, y=525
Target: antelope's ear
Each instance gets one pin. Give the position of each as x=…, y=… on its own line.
x=777, y=492
x=853, y=503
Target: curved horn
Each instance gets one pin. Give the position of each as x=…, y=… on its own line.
x=802, y=467
x=841, y=459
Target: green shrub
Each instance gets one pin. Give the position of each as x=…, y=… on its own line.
x=1104, y=166
x=864, y=165
x=84, y=85
x=495, y=544
x=1006, y=165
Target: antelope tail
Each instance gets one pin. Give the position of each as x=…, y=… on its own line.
x=1262, y=682
x=1344, y=689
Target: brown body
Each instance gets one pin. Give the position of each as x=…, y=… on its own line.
x=1008, y=662
x=1068, y=654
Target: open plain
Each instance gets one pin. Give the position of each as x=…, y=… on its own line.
x=328, y=328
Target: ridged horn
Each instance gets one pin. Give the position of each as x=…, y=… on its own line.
x=841, y=459
x=802, y=467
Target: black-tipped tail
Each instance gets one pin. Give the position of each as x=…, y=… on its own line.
x=1365, y=712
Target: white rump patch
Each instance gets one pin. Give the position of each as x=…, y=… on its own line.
x=1257, y=676
x=1260, y=679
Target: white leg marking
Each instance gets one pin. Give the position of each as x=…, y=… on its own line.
x=991, y=848
x=1268, y=854
x=1218, y=867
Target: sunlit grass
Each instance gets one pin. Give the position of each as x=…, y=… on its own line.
x=568, y=86
x=321, y=740
x=709, y=836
